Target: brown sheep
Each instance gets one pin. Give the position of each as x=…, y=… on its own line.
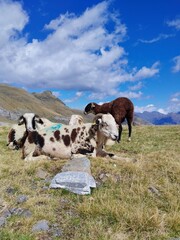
x=121, y=108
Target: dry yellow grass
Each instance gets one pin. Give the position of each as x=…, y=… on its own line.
x=133, y=201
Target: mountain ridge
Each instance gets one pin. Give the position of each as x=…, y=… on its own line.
x=16, y=101
x=158, y=118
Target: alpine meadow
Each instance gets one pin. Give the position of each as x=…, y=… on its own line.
x=134, y=200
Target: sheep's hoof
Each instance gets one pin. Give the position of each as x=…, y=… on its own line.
x=110, y=155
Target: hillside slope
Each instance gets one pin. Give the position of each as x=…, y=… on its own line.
x=15, y=101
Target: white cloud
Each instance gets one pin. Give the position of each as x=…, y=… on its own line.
x=12, y=21
x=56, y=94
x=174, y=105
x=174, y=23
x=75, y=98
x=128, y=94
x=138, y=86
x=150, y=108
x=176, y=67
x=156, y=39
x=145, y=72
x=79, y=52
x=161, y=110
x=79, y=94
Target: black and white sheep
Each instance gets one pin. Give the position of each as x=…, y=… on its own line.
x=17, y=134
x=121, y=108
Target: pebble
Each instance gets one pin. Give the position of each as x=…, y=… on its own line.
x=154, y=190
x=10, y=190
x=42, y=225
x=2, y=221
x=21, y=199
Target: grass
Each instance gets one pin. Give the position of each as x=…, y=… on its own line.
x=132, y=201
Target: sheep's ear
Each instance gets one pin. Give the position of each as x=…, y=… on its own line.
x=98, y=121
x=21, y=120
x=80, y=121
x=38, y=119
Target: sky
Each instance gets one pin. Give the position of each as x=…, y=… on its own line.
x=94, y=51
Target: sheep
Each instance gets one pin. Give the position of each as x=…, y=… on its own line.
x=62, y=141
x=76, y=120
x=17, y=134
x=121, y=108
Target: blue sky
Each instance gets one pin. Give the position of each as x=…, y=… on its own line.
x=94, y=51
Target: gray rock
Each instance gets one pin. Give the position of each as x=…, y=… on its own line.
x=42, y=225
x=26, y=213
x=76, y=182
x=22, y=198
x=75, y=177
x=6, y=213
x=3, y=205
x=2, y=221
x=154, y=190
x=77, y=165
x=16, y=211
x=10, y=190
x=56, y=231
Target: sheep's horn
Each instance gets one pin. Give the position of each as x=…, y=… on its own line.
x=20, y=120
x=99, y=115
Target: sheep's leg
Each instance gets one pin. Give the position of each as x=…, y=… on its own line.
x=130, y=129
x=30, y=157
x=120, y=131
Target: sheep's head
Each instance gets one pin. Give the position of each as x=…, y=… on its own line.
x=90, y=108
x=30, y=120
x=106, y=125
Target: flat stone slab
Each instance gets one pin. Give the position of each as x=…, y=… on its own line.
x=76, y=182
x=42, y=225
x=75, y=177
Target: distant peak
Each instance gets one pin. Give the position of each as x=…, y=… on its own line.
x=47, y=92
